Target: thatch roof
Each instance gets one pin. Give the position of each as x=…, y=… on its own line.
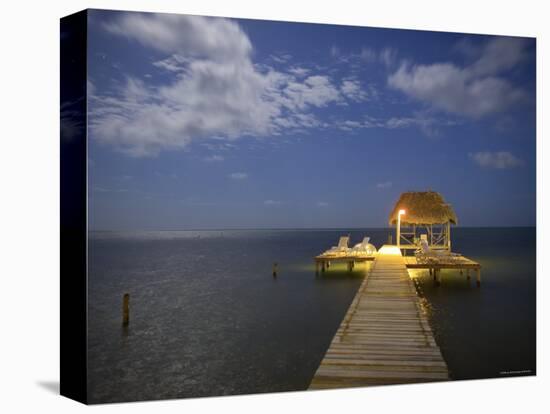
x=423, y=207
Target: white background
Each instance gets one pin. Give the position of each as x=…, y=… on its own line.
x=29, y=191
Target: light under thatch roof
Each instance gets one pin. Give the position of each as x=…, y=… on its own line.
x=423, y=207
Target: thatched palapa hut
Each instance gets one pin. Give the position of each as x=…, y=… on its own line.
x=426, y=212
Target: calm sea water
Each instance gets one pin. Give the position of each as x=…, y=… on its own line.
x=208, y=318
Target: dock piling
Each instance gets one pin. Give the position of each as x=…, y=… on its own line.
x=126, y=309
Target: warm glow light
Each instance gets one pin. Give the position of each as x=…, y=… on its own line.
x=401, y=212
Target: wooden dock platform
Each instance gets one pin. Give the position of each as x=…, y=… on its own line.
x=385, y=337
x=462, y=264
x=324, y=260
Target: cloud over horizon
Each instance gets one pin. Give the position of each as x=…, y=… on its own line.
x=499, y=160
x=474, y=90
x=384, y=185
x=238, y=176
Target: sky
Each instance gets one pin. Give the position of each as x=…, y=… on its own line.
x=211, y=123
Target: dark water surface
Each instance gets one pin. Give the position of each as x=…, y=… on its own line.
x=208, y=318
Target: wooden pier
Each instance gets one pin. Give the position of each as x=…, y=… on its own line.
x=384, y=337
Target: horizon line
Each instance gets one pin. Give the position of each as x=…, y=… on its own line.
x=289, y=228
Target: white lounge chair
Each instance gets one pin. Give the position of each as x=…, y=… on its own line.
x=425, y=255
x=341, y=248
x=364, y=247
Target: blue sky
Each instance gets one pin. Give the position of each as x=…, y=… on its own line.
x=224, y=123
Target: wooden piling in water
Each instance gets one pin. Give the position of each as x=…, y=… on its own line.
x=126, y=309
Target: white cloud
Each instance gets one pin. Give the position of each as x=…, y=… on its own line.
x=500, y=54
x=351, y=88
x=238, y=176
x=196, y=36
x=313, y=91
x=429, y=125
x=174, y=63
x=272, y=203
x=214, y=158
x=299, y=71
x=216, y=89
x=72, y=118
x=475, y=90
x=368, y=55
x=281, y=58
x=350, y=125
x=384, y=185
x=322, y=204
x=388, y=56
x=499, y=160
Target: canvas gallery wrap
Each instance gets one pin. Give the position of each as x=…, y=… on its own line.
x=261, y=206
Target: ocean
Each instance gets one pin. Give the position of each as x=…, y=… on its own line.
x=208, y=318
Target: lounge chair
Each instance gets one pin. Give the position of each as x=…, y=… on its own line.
x=364, y=247
x=426, y=255
x=341, y=248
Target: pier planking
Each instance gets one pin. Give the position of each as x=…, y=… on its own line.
x=384, y=337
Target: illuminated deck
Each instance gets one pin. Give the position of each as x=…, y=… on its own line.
x=462, y=264
x=324, y=260
x=385, y=337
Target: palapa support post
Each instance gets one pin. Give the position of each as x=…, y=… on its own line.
x=328, y=264
x=323, y=266
x=478, y=277
x=468, y=274
x=275, y=269
x=126, y=309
